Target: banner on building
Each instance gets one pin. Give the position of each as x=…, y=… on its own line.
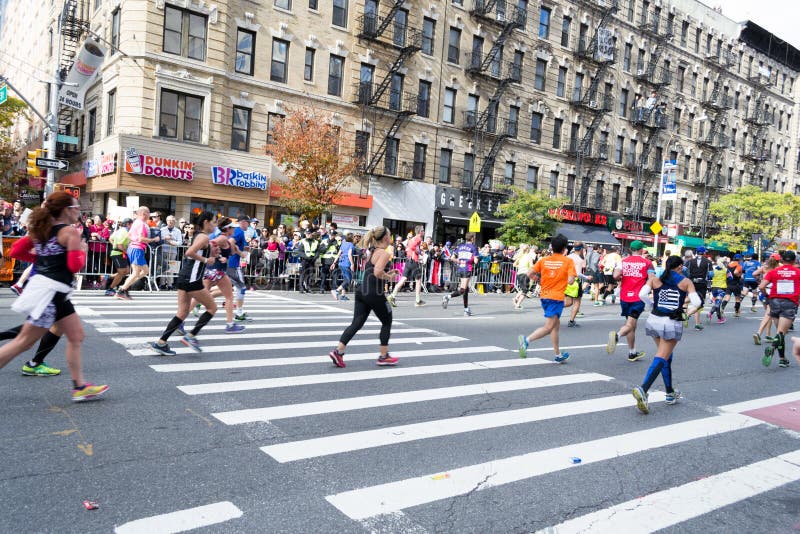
x=605, y=45
x=669, y=180
x=81, y=74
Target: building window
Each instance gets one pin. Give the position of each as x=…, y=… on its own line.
x=240, y=130
x=445, y=162
x=509, y=173
x=697, y=40
x=428, y=35
x=361, y=145
x=681, y=78
x=516, y=74
x=453, y=45
x=632, y=153
x=308, y=68
x=676, y=119
x=684, y=32
x=335, y=73
x=693, y=88
x=468, y=174
x=532, y=178
x=553, y=185
x=513, y=121
x=424, y=98
x=539, y=79
x=557, y=125
x=313, y=4
x=618, y=149
x=449, y=112
x=631, y=9
x=92, y=126
x=626, y=58
x=562, y=77
x=544, y=23
x=280, y=56
x=566, y=23
x=115, y=22
x=598, y=194
x=275, y=118
x=245, y=48
x=615, y=197
x=390, y=159
x=536, y=128
x=180, y=116
x=339, y=13
x=185, y=33
x=284, y=4
x=396, y=92
x=420, y=155
x=623, y=103
x=629, y=198
x=111, y=111
x=689, y=124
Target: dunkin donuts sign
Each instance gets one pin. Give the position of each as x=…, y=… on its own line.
x=148, y=165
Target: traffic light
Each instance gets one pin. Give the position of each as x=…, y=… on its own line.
x=32, y=168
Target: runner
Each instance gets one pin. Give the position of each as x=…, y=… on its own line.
x=719, y=288
x=633, y=273
x=766, y=321
x=610, y=263
x=523, y=264
x=58, y=253
x=346, y=263
x=189, y=284
x=697, y=269
x=575, y=289
x=734, y=286
x=593, y=272
x=234, y=270
x=665, y=326
x=783, y=299
x=119, y=258
x=412, y=270
x=370, y=297
x=749, y=267
x=466, y=255
x=139, y=237
x=556, y=272
x=36, y=365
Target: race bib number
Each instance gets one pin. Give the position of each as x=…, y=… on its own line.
x=784, y=287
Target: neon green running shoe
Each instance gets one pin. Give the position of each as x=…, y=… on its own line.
x=40, y=370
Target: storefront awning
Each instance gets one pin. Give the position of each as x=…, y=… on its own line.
x=588, y=234
x=629, y=236
x=688, y=241
x=491, y=222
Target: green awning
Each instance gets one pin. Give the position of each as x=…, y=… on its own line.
x=688, y=241
x=716, y=245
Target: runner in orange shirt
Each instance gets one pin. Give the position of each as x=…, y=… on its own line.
x=555, y=272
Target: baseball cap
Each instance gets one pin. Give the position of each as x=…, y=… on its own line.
x=701, y=250
x=775, y=256
x=243, y=218
x=737, y=256
x=127, y=220
x=637, y=245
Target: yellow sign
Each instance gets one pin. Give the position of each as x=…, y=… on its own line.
x=656, y=227
x=475, y=222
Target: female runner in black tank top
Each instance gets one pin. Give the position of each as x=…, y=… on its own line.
x=370, y=297
x=189, y=284
x=60, y=253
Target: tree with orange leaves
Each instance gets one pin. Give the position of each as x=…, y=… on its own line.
x=305, y=146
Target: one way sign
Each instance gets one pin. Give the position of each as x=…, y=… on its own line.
x=58, y=164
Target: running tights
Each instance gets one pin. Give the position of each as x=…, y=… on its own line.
x=362, y=306
x=46, y=345
x=659, y=366
x=464, y=292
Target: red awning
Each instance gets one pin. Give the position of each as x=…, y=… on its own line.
x=74, y=178
x=352, y=200
x=647, y=238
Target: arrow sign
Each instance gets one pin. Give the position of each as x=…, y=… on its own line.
x=58, y=164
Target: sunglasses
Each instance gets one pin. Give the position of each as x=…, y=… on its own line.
x=74, y=207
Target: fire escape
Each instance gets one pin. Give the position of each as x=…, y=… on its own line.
x=651, y=119
x=593, y=105
x=715, y=142
x=758, y=119
x=385, y=102
x=74, y=27
x=486, y=126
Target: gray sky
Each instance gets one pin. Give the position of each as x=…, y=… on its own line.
x=780, y=17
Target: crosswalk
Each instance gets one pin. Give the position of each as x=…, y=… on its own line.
x=448, y=393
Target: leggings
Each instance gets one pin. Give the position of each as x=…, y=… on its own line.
x=363, y=305
x=47, y=344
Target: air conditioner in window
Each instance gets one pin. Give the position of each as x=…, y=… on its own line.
x=593, y=104
x=627, y=210
x=640, y=72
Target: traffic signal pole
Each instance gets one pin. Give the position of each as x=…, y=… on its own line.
x=52, y=115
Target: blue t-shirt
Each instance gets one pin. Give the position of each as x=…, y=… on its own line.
x=465, y=256
x=749, y=267
x=344, y=261
x=238, y=237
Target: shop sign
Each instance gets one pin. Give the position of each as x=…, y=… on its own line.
x=105, y=164
x=238, y=178
x=625, y=225
x=451, y=198
x=351, y=220
x=149, y=165
x=583, y=217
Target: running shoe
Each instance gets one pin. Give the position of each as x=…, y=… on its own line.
x=191, y=342
x=769, y=350
x=163, y=350
x=123, y=295
x=196, y=310
x=344, y=297
x=419, y=303
x=722, y=320
x=40, y=370
x=16, y=289
x=770, y=339
x=597, y=303
x=392, y=299
x=783, y=362
x=561, y=358
x=181, y=329
x=467, y=312
x=518, y=307
x=523, y=346
x=571, y=323
x=234, y=329
x=241, y=317
x=737, y=315
x=753, y=309
x=641, y=399
x=613, y=298
x=611, y=344
x=387, y=360
x=88, y=392
x=756, y=339
x=698, y=326
x=580, y=314
x=635, y=356
x=335, y=294
x=672, y=398
x=110, y=293
x=445, y=301
x=337, y=358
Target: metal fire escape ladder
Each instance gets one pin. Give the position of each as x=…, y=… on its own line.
x=405, y=53
x=374, y=26
x=399, y=120
x=74, y=26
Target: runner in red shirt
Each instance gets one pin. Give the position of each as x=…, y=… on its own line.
x=412, y=270
x=633, y=272
x=784, y=295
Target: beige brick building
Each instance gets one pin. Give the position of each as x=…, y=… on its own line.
x=447, y=99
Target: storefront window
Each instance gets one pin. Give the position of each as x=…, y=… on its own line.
x=163, y=204
x=222, y=209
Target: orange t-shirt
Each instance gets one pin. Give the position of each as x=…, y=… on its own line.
x=555, y=271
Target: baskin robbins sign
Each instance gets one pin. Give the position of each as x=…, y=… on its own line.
x=148, y=165
x=238, y=178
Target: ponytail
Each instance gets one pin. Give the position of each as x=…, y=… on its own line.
x=669, y=265
x=372, y=237
x=41, y=220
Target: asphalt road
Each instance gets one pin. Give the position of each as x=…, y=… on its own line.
x=260, y=433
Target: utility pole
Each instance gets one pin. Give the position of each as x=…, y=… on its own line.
x=52, y=115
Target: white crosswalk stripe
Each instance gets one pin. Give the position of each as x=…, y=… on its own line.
x=286, y=334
